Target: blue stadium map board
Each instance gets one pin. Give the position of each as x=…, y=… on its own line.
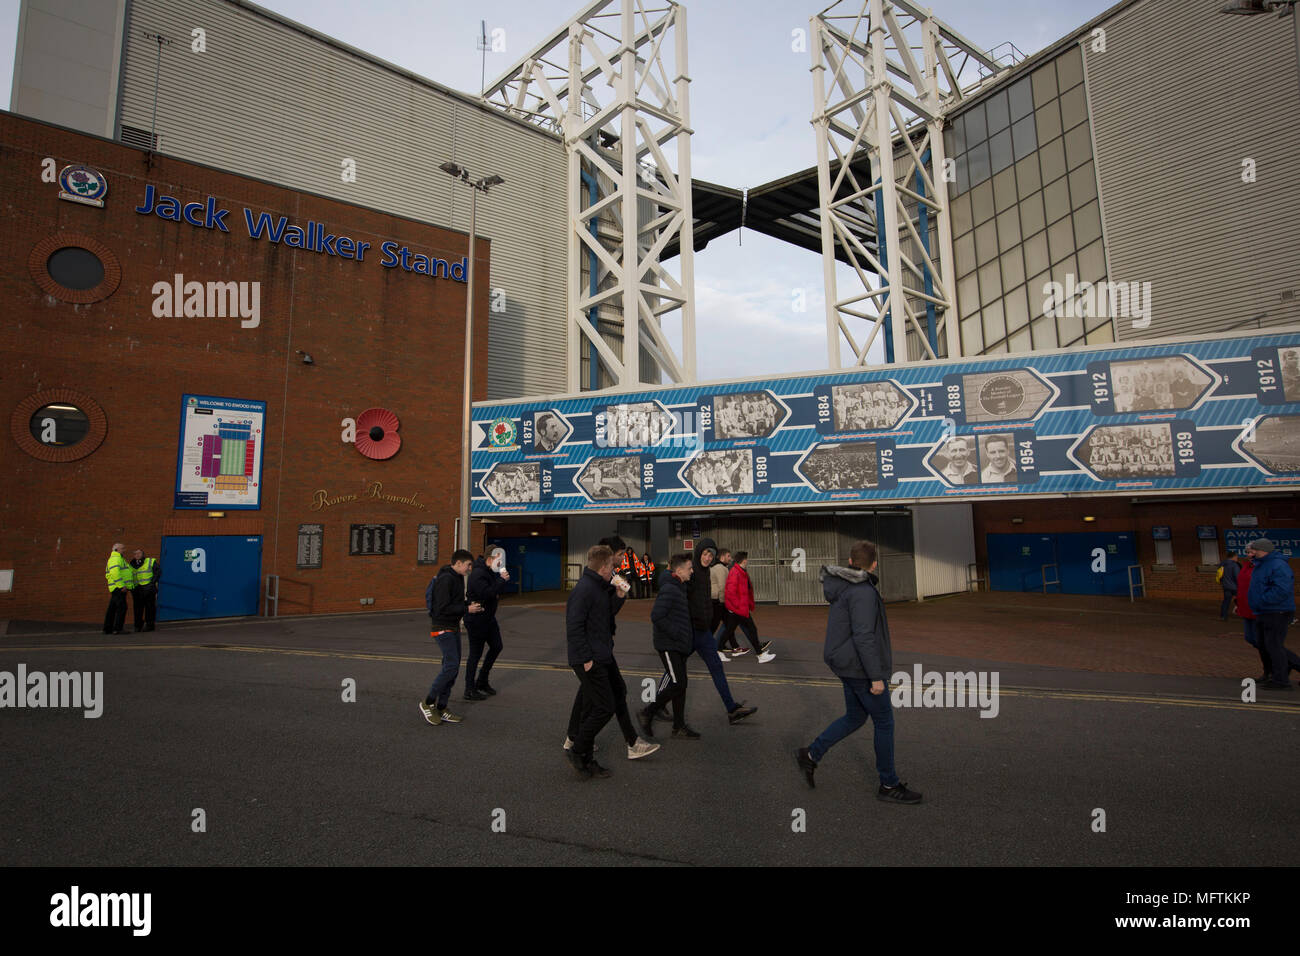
x=1211, y=413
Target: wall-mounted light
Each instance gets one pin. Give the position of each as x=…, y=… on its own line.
x=1089, y=518
x=534, y=533
x=1017, y=520
x=306, y=359
x=216, y=514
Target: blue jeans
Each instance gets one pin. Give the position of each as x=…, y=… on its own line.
x=707, y=648
x=859, y=704
x=449, y=644
x=1226, y=605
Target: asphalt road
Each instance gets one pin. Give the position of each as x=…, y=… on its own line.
x=246, y=721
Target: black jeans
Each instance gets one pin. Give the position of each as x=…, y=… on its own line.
x=144, y=602
x=675, y=691
x=115, y=616
x=720, y=617
x=746, y=624
x=1226, y=605
x=1271, y=629
x=602, y=695
x=488, y=634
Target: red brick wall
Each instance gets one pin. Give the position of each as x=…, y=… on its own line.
x=378, y=336
x=1121, y=514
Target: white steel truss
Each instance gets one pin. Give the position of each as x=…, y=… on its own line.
x=614, y=82
x=885, y=74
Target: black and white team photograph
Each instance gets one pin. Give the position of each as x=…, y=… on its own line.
x=516, y=482
x=745, y=415
x=1171, y=382
x=1290, y=359
x=722, y=473
x=634, y=425
x=1128, y=451
x=606, y=479
x=850, y=466
x=868, y=405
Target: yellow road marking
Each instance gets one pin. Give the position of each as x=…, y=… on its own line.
x=1037, y=693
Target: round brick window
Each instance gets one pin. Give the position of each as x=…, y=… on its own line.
x=58, y=424
x=75, y=268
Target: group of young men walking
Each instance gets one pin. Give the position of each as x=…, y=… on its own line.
x=692, y=601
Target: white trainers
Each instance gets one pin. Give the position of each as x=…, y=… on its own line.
x=722, y=656
x=765, y=657
x=568, y=745
x=642, y=748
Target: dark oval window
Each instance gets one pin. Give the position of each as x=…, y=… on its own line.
x=75, y=268
x=59, y=425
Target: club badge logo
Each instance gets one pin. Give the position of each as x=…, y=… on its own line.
x=502, y=433
x=83, y=184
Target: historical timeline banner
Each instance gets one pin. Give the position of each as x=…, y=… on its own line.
x=1200, y=414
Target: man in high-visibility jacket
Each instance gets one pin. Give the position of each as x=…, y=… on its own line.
x=120, y=577
x=144, y=596
x=649, y=564
x=639, y=576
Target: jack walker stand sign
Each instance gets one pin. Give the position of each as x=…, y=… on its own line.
x=1209, y=413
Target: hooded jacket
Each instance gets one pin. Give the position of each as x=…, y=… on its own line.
x=671, y=617
x=699, y=588
x=589, y=619
x=484, y=585
x=857, y=634
x=1272, y=585
x=449, y=604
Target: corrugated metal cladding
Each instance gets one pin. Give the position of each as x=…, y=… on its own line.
x=273, y=102
x=1180, y=97
x=946, y=538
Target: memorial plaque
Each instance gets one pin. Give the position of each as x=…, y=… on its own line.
x=426, y=551
x=371, y=538
x=311, y=545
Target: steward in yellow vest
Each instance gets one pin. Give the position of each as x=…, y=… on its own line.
x=144, y=598
x=120, y=577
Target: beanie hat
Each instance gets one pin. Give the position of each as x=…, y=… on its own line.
x=1262, y=545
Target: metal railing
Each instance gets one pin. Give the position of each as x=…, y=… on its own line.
x=1056, y=574
x=272, y=595
x=973, y=580
x=1140, y=584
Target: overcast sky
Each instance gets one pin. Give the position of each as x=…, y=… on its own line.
x=751, y=100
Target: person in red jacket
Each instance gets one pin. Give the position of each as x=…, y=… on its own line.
x=1247, y=615
x=739, y=600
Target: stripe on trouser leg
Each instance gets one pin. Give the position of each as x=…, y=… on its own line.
x=671, y=675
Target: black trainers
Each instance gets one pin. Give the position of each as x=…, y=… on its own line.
x=663, y=715
x=807, y=765
x=472, y=694
x=898, y=794
x=484, y=687
x=740, y=713
x=595, y=769
x=686, y=732
x=578, y=764
x=646, y=720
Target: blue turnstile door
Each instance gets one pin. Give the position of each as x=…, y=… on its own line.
x=1087, y=562
x=209, y=576
x=533, y=562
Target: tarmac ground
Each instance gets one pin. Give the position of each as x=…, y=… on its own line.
x=1128, y=714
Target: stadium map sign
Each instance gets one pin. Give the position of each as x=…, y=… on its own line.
x=219, y=461
x=1211, y=413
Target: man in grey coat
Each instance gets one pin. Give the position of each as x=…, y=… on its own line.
x=858, y=653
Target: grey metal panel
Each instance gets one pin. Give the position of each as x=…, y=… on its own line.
x=815, y=534
x=276, y=103
x=65, y=62
x=945, y=546
x=1181, y=95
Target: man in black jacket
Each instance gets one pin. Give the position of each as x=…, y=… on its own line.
x=700, y=598
x=674, y=639
x=858, y=653
x=486, y=582
x=589, y=632
x=446, y=603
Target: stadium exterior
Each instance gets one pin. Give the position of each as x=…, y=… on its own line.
x=1113, y=159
